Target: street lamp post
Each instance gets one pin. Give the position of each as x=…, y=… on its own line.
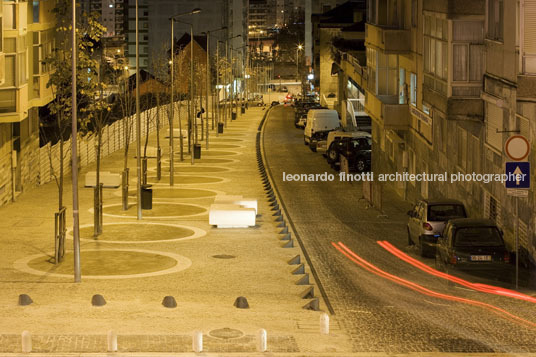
x=171, y=167
x=74, y=157
x=138, y=118
x=298, y=49
x=208, y=89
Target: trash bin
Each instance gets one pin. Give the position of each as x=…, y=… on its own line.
x=220, y=128
x=197, y=151
x=233, y=116
x=146, y=197
x=243, y=109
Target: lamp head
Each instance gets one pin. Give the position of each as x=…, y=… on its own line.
x=196, y=11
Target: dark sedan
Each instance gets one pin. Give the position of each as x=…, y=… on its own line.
x=473, y=245
x=356, y=150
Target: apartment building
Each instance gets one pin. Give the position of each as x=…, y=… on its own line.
x=446, y=83
x=26, y=40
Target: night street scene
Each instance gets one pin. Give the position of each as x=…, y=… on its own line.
x=246, y=178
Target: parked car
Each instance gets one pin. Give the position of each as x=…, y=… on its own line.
x=356, y=150
x=319, y=123
x=274, y=103
x=336, y=135
x=473, y=245
x=301, y=110
x=427, y=221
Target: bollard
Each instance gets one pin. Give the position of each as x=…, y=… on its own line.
x=26, y=342
x=112, y=341
x=324, y=324
x=198, y=341
x=262, y=341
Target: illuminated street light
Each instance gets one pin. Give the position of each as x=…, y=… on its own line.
x=171, y=164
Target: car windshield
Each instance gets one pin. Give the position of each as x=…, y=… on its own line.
x=445, y=212
x=362, y=143
x=478, y=236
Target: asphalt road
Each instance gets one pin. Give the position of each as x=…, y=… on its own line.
x=379, y=310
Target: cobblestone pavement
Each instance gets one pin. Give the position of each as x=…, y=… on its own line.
x=61, y=318
x=379, y=314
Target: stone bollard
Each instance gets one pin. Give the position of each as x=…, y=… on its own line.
x=262, y=340
x=324, y=324
x=197, y=343
x=26, y=342
x=112, y=341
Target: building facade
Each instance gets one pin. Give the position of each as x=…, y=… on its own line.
x=446, y=83
x=27, y=39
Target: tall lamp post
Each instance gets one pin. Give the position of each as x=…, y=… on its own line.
x=74, y=157
x=298, y=49
x=172, y=19
x=208, y=91
x=231, y=74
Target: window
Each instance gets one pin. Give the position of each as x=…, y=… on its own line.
x=385, y=13
x=492, y=209
x=35, y=11
x=495, y=19
x=413, y=89
x=426, y=109
x=414, y=13
x=383, y=72
x=467, y=51
x=436, y=53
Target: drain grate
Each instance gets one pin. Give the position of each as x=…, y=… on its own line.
x=226, y=333
x=223, y=256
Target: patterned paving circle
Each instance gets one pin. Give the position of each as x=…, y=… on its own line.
x=160, y=210
x=106, y=264
x=163, y=192
x=185, y=180
x=218, y=153
x=187, y=169
x=222, y=146
x=145, y=232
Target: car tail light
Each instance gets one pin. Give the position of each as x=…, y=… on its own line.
x=453, y=258
x=427, y=226
x=506, y=257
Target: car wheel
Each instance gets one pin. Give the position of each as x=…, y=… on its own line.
x=305, y=142
x=332, y=155
x=410, y=241
x=312, y=147
x=360, y=165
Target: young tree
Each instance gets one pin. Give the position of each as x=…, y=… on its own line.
x=60, y=79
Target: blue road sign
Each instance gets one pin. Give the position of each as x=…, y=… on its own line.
x=517, y=175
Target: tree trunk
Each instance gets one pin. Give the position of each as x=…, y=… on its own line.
x=60, y=184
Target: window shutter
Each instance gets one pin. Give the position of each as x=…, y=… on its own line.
x=486, y=204
x=529, y=36
x=529, y=33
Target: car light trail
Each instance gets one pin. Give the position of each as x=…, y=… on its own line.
x=489, y=289
x=420, y=289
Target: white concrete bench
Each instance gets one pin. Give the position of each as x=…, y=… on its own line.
x=108, y=179
x=177, y=133
x=237, y=200
x=231, y=216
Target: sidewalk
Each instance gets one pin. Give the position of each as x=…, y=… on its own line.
x=172, y=251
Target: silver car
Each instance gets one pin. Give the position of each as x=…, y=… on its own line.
x=427, y=220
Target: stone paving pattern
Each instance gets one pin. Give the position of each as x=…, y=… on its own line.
x=378, y=314
x=61, y=319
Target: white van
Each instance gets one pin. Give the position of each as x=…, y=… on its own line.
x=319, y=123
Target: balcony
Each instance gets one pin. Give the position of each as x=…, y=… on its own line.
x=354, y=70
x=390, y=40
x=456, y=8
x=389, y=114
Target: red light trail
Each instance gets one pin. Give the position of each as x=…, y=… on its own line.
x=422, y=290
x=489, y=289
